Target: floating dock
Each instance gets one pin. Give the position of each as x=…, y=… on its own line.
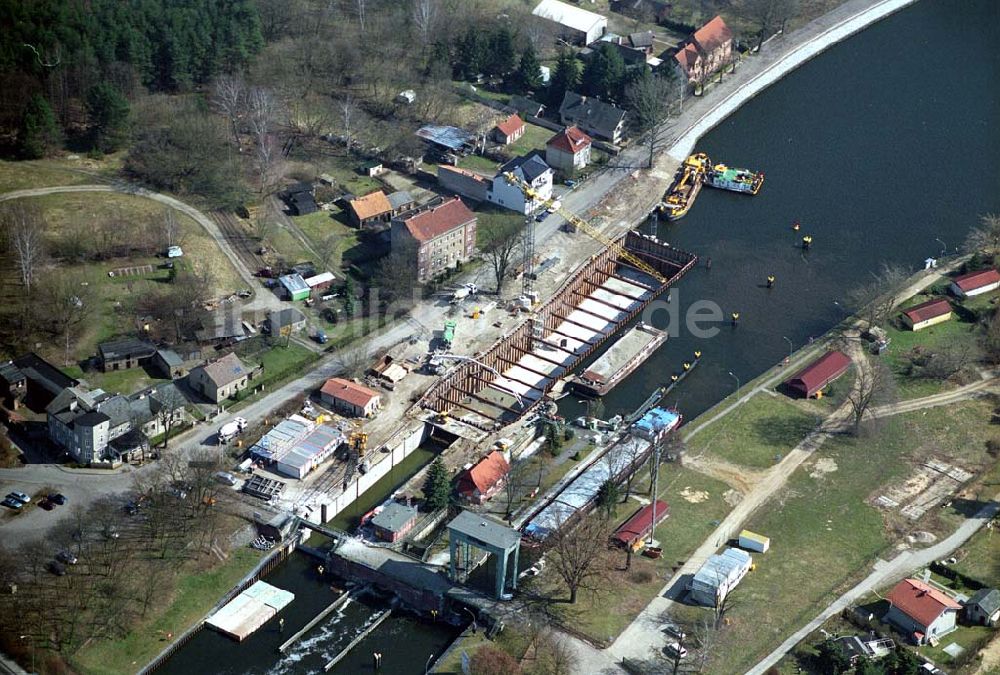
x=250, y=610
x=622, y=358
x=512, y=377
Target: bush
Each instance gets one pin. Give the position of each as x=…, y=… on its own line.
x=641, y=576
x=993, y=447
x=492, y=661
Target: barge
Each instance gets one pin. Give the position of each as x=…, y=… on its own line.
x=680, y=197
x=619, y=361
x=735, y=180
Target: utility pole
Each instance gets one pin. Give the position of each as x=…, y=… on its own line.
x=655, y=492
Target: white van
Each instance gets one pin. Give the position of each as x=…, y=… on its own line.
x=226, y=478
x=674, y=649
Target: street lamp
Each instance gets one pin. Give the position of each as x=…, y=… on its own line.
x=737, y=386
x=944, y=246
x=427, y=666
x=789, y=346
x=474, y=625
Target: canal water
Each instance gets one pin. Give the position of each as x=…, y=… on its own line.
x=881, y=146
x=405, y=642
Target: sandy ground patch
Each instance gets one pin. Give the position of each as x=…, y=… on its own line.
x=823, y=466
x=694, y=496
x=732, y=497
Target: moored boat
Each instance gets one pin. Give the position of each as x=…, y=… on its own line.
x=680, y=197
x=736, y=180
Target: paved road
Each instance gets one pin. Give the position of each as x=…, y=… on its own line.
x=885, y=573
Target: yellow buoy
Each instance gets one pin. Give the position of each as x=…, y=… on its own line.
x=697, y=355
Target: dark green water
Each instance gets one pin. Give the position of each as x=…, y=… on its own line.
x=879, y=146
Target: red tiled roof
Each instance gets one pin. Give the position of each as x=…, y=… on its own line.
x=511, y=125
x=371, y=205
x=352, y=392
x=919, y=601
x=638, y=525
x=434, y=222
x=687, y=57
x=713, y=34
x=570, y=140
x=486, y=473
x=928, y=310
x=973, y=280
x=819, y=373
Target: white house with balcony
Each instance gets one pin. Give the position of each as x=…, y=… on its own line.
x=531, y=169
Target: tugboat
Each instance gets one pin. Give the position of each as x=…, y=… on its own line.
x=737, y=180
x=678, y=199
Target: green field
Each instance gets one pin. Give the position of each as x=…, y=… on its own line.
x=824, y=535
x=56, y=171
x=534, y=138
x=757, y=434
x=195, y=595
x=478, y=163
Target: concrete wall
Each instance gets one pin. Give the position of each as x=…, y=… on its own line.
x=381, y=464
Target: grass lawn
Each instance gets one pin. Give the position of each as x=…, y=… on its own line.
x=534, y=138
x=479, y=163
x=758, y=433
x=121, y=381
x=196, y=594
x=280, y=361
x=56, y=171
x=903, y=341
x=490, y=218
x=971, y=638
x=343, y=169
x=696, y=507
x=821, y=520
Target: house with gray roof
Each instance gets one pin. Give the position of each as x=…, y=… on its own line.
x=84, y=422
x=220, y=379
x=123, y=354
x=401, y=201
x=983, y=607
x=594, y=116
x=531, y=169
x=394, y=521
x=287, y=317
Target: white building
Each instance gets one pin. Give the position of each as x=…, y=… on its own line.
x=575, y=23
x=718, y=576
x=920, y=611
x=975, y=283
x=531, y=169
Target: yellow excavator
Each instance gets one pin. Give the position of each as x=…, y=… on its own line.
x=581, y=224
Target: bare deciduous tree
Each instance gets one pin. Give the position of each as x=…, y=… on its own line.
x=361, y=6
x=170, y=229
x=349, y=111
x=873, y=385
x=770, y=14
x=229, y=97
x=168, y=400
x=650, y=99
x=579, y=555
x=424, y=17
x=501, y=244
x=262, y=114
x=24, y=233
x=875, y=300
x=985, y=239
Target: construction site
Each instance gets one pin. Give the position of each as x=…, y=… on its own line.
x=510, y=379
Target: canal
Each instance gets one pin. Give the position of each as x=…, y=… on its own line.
x=880, y=146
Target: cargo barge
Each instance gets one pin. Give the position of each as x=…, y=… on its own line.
x=735, y=180
x=680, y=197
x=619, y=361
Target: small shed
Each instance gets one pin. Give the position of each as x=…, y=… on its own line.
x=983, y=607
x=479, y=483
x=927, y=314
x=371, y=168
x=287, y=318
x=407, y=96
x=169, y=363
x=975, y=283
x=394, y=521
x=752, y=541
x=401, y=201
x=319, y=282
x=509, y=130
x=635, y=529
x=821, y=372
x=350, y=397
x=295, y=286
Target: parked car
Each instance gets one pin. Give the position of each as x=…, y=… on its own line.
x=11, y=503
x=20, y=496
x=58, y=499
x=226, y=478
x=111, y=532
x=674, y=630
x=674, y=649
x=67, y=557
x=57, y=568
x=46, y=504
x=541, y=216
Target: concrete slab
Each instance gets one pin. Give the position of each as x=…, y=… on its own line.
x=622, y=287
x=622, y=351
x=547, y=367
x=523, y=376
x=602, y=310
x=620, y=301
x=597, y=325
x=560, y=344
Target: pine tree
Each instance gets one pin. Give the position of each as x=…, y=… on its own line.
x=471, y=55
x=108, y=112
x=608, y=495
x=565, y=78
x=500, y=59
x=529, y=76
x=40, y=133
x=437, y=488
x=604, y=76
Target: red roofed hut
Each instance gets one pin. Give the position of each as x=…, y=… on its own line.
x=927, y=314
x=975, y=283
x=479, y=483
x=350, y=397
x=633, y=530
x=509, y=130
x=921, y=611
x=819, y=373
